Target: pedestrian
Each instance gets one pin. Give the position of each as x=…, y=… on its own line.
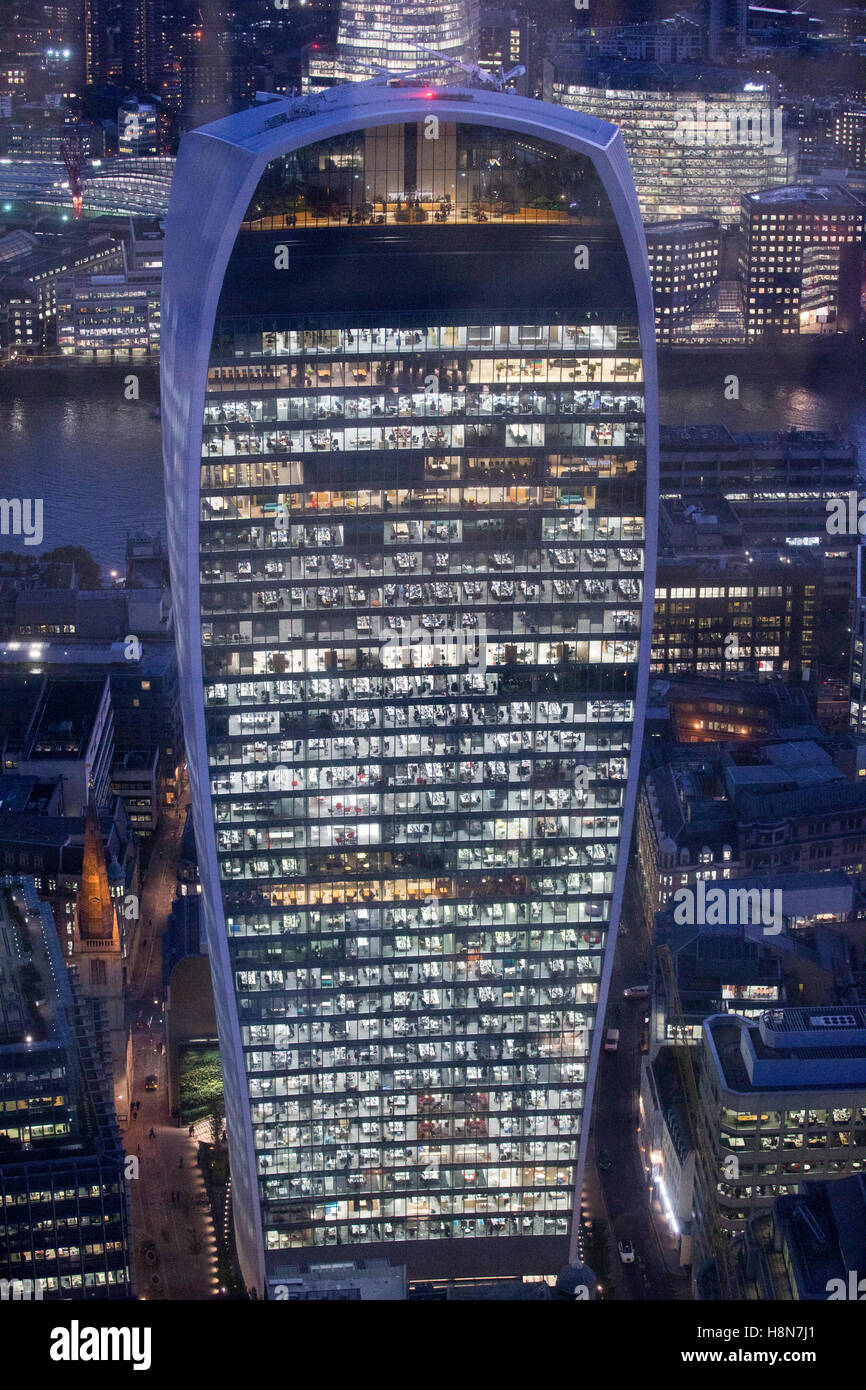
x=180, y=1161
x=191, y=1130
x=152, y=1134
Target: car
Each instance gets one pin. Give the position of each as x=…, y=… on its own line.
x=604, y=1161
x=151, y=1083
x=626, y=1252
x=611, y=1040
x=636, y=992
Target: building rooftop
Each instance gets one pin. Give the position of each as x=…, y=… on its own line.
x=820, y=799
x=814, y=1057
x=157, y=657
x=828, y=198
x=261, y=127
x=681, y=226
x=637, y=75
x=65, y=721
x=30, y=796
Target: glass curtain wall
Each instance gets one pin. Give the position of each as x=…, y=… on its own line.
x=421, y=561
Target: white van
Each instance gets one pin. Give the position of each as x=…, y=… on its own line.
x=611, y=1040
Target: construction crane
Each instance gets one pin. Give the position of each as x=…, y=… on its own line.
x=705, y=1154
x=72, y=151
x=498, y=80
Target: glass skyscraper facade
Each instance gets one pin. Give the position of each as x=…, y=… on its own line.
x=414, y=613
x=386, y=33
x=696, y=147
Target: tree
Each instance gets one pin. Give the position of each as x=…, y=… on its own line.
x=88, y=571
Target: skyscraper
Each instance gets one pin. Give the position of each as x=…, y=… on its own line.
x=387, y=34
x=410, y=427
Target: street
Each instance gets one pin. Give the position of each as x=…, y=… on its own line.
x=174, y=1251
x=622, y=1193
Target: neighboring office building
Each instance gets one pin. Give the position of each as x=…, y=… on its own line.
x=810, y=1246
x=717, y=755
x=675, y=40
x=686, y=830
x=857, y=704
x=137, y=129
x=394, y=36
x=135, y=779
x=396, y=889
x=785, y=1097
x=704, y=710
x=684, y=258
x=30, y=613
x=818, y=826
x=52, y=727
x=801, y=260
x=666, y=1145
x=759, y=958
x=20, y=330
x=778, y=484
x=764, y=1142
x=117, y=312
x=361, y=1281
x=39, y=133
x=40, y=262
x=64, y=1196
x=145, y=697
x=726, y=612
x=508, y=39
x=849, y=132
x=669, y=117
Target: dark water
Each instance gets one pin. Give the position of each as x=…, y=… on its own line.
x=67, y=434
x=810, y=390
